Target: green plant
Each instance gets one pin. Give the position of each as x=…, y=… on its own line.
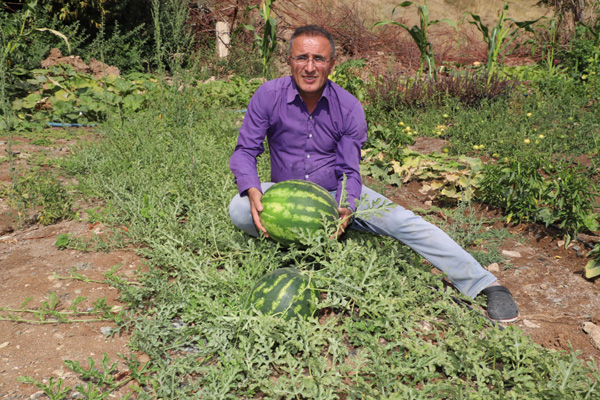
x=43, y=194
x=582, y=56
x=49, y=312
x=53, y=389
x=569, y=200
x=516, y=186
x=547, y=40
x=15, y=29
x=501, y=36
x=267, y=43
x=346, y=75
x=419, y=35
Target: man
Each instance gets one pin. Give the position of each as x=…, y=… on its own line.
x=315, y=130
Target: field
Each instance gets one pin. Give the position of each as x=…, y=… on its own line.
x=122, y=275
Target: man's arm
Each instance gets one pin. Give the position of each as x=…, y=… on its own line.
x=348, y=160
x=249, y=146
x=250, y=143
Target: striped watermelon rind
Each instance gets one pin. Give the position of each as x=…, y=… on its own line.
x=294, y=205
x=286, y=293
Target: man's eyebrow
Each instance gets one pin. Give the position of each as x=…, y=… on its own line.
x=307, y=55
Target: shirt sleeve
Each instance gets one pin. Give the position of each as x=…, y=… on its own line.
x=348, y=155
x=250, y=143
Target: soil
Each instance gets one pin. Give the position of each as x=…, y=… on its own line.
x=554, y=298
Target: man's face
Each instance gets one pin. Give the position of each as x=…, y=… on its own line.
x=311, y=77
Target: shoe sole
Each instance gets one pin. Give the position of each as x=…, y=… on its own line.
x=505, y=321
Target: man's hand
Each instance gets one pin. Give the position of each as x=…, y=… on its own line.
x=345, y=216
x=255, y=195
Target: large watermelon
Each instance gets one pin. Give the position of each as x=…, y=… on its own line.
x=285, y=292
x=294, y=205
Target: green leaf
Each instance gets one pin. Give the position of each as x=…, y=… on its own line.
x=592, y=269
x=62, y=240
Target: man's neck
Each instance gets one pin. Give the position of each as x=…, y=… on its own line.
x=311, y=101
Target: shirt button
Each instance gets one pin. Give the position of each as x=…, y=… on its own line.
x=308, y=156
x=306, y=176
x=310, y=135
x=310, y=117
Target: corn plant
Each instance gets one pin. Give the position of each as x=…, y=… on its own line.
x=546, y=40
x=501, y=36
x=419, y=35
x=267, y=43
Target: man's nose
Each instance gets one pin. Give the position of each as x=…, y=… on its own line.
x=310, y=65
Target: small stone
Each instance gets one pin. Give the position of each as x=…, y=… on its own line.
x=544, y=286
x=512, y=254
x=105, y=330
x=493, y=267
x=37, y=395
x=576, y=248
x=594, y=331
x=530, y=324
x=143, y=358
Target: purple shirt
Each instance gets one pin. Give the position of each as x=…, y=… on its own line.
x=320, y=147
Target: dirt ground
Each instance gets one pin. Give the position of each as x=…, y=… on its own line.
x=546, y=279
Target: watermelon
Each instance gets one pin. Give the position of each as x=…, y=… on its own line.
x=294, y=205
x=286, y=293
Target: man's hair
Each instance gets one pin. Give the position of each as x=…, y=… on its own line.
x=312, y=30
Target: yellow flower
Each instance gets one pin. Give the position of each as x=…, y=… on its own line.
x=541, y=136
x=446, y=116
x=400, y=123
x=529, y=114
x=527, y=141
x=496, y=155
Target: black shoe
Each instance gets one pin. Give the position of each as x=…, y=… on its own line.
x=501, y=306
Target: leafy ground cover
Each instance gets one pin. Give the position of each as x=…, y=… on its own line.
x=388, y=326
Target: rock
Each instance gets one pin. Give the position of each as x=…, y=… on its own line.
x=493, y=267
x=143, y=358
x=105, y=330
x=530, y=324
x=512, y=254
x=594, y=331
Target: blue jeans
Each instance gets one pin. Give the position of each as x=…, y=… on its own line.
x=465, y=273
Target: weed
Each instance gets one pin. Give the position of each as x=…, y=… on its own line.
x=43, y=194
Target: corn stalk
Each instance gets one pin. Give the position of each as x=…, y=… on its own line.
x=501, y=36
x=419, y=35
x=267, y=43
